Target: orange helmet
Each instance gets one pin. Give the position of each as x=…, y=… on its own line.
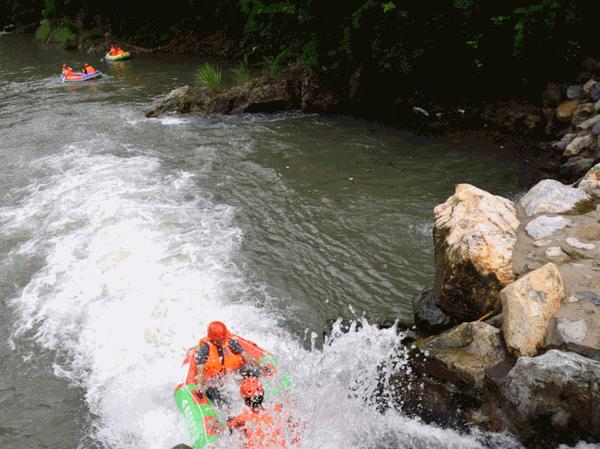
x=217, y=331
x=251, y=388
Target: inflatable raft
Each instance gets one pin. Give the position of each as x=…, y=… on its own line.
x=203, y=419
x=120, y=57
x=80, y=76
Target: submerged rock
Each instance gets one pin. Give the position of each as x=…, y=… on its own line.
x=474, y=237
x=556, y=391
x=528, y=305
x=550, y=196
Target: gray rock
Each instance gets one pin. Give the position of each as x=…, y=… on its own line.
x=465, y=352
x=575, y=243
x=573, y=91
x=596, y=129
x=545, y=226
x=561, y=389
x=579, y=144
x=589, y=123
x=597, y=106
x=427, y=314
x=556, y=254
x=592, y=89
x=581, y=113
x=575, y=168
x=562, y=143
x=552, y=197
x=182, y=100
x=592, y=296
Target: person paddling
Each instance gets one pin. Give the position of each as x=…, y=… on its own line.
x=216, y=355
x=263, y=427
x=67, y=71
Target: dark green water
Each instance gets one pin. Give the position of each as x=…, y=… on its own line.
x=121, y=237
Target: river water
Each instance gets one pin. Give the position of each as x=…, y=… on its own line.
x=121, y=237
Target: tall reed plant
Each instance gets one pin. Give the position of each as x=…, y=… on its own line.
x=209, y=77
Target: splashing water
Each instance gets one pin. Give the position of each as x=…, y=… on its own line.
x=136, y=263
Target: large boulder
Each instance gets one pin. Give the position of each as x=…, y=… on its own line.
x=557, y=391
x=528, y=305
x=552, y=197
x=474, y=237
x=183, y=99
x=575, y=167
x=462, y=354
x=590, y=183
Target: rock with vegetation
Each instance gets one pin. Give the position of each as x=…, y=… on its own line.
x=528, y=305
x=183, y=99
x=552, y=197
x=474, y=237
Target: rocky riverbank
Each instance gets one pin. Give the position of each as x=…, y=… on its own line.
x=517, y=287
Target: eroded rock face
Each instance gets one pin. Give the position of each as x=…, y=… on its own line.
x=474, y=237
x=560, y=387
x=528, y=305
x=552, y=197
x=590, y=183
x=464, y=352
x=182, y=99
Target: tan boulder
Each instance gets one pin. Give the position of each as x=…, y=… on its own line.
x=474, y=237
x=564, y=111
x=590, y=183
x=528, y=305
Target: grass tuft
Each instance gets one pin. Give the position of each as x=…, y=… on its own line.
x=242, y=75
x=209, y=77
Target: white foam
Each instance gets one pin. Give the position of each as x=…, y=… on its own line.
x=137, y=262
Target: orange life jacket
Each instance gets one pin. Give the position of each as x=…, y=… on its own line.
x=261, y=427
x=68, y=71
x=213, y=366
x=89, y=69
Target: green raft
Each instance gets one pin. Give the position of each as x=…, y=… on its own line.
x=119, y=57
x=203, y=419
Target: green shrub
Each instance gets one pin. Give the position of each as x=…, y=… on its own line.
x=43, y=32
x=242, y=75
x=63, y=35
x=209, y=77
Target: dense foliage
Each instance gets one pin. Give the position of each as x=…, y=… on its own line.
x=426, y=44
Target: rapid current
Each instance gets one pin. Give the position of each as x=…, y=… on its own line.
x=121, y=237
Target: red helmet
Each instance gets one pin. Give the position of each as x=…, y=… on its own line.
x=217, y=331
x=251, y=388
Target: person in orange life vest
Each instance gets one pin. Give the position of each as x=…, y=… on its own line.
x=114, y=50
x=216, y=355
x=66, y=70
x=263, y=428
x=88, y=69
